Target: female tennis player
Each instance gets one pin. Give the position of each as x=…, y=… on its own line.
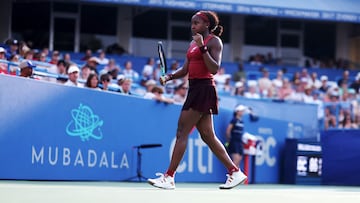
x=202, y=61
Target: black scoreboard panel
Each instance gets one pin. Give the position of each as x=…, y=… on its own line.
x=302, y=162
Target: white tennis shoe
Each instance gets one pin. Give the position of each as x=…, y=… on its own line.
x=233, y=180
x=163, y=182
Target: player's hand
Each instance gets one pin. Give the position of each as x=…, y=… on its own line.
x=164, y=79
x=198, y=38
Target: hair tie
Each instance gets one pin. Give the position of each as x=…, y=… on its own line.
x=203, y=16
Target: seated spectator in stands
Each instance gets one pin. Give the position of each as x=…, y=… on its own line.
x=265, y=84
x=297, y=95
x=62, y=67
x=220, y=78
x=239, y=75
x=296, y=80
x=344, y=79
x=239, y=89
x=45, y=51
x=347, y=123
x=112, y=68
x=67, y=58
x=55, y=57
x=180, y=93
x=285, y=91
x=42, y=57
x=278, y=81
x=105, y=81
x=329, y=119
x=256, y=60
x=93, y=62
x=102, y=58
x=128, y=71
x=29, y=55
x=126, y=86
x=85, y=72
x=157, y=71
x=3, y=66
x=270, y=60
x=13, y=48
x=15, y=59
x=252, y=91
x=26, y=69
x=87, y=56
x=157, y=94
x=356, y=84
x=149, y=85
x=92, y=82
x=314, y=81
x=73, y=74
x=147, y=71
x=324, y=85
x=308, y=95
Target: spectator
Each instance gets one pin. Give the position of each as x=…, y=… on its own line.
x=112, y=68
x=93, y=63
x=67, y=58
x=347, y=123
x=55, y=57
x=330, y=119
x=62, y=67
x=157, y=71
x=73, y=74
x=180, y=93
x=147, y=72
x=157, y=94
x=13, y=48
x=129, y=72
x=356, y=84
x=278, y=81
x=344, y=79
x=239, y=89
x=26, y=69
x=3, y=66
x=14, y=59
x=285, y=91
x=265, y=84
x=92, y=82
x=87, y=56
x=105, y=81
x=85, y=73
x=314, y=81
x=324, y=85
x=126, y=86
x=102, y=58
x=252, y=91
x=239, y=75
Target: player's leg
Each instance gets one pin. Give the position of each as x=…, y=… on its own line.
x=187, y=120
x=206, y=130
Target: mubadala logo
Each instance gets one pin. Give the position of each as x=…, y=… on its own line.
x=83, y=124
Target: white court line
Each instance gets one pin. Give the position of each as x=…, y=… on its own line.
x=121, y=192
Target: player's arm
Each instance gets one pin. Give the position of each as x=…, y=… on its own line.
x=212, y=57
x=179, y=73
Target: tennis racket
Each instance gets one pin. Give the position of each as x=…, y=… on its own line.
x=162, y=58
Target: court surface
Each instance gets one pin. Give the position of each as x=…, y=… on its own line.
x=123, y=192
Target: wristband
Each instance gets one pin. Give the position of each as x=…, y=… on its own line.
x=171, y=76
x=203, y=49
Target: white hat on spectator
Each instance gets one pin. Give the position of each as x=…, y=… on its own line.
x=240, y=108
x=25, y=64
x=252, y=83
x=150, y=82
x=94, y=59
x=73, y=68
x=120, y=77
x=357, y=76
x=324, y=77
x=239, y=84
x=2, y=50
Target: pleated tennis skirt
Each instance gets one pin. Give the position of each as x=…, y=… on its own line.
x=202, y=96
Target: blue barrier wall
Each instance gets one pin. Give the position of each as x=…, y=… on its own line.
x=54, y=132
x=341, y=155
